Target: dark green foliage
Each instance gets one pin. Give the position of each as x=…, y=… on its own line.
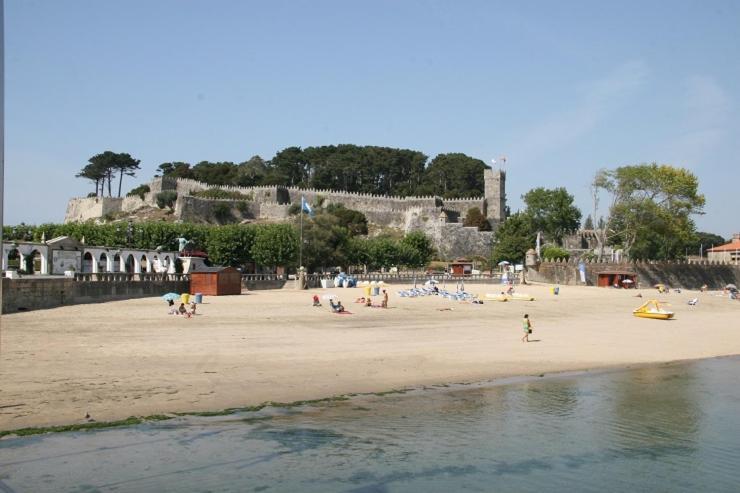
x=354, y=221
x=166, y=198
x=702, y=241
x=230, y=245
x=219, y=193
x=589, y=223
x=133, y=420
x=222, y=212
x=552, y=212
x=102, y=168
x=475, y=217
x=275, y=245
x=365, y=169
x=513, y=238
x=651, y=209
x=294, y=209
x=553, y=252
x=416, y=250
x=139, y=191
x=453, y=175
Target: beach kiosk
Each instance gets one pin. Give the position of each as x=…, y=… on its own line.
x=617, y=278
x=461, y=267
x=216, y=281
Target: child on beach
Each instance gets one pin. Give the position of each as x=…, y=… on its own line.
x=316, y=301
x=527, y=327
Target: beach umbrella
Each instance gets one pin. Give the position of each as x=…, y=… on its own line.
x=171, y=296
x=731, y=286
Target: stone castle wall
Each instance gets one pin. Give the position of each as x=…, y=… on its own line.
x=441, y=219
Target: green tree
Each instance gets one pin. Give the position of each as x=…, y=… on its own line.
x=230, y=245
x=475, y=217
x=552, y=212
x=416, y=250
x=454, y=175
x=702, y=241
x=354, y=221
x=275, y=245
x=650, y=211
x=514, y=237
x=125, y=165
x=324, y=240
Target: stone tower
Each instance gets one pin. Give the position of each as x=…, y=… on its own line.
x=495, y=194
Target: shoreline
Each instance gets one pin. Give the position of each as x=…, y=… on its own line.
x=440, y=387
x=64, y=363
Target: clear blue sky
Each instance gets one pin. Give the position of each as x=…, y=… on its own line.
x=561, y=88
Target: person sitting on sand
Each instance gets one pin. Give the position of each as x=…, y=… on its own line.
x=369, y=301
x=183, y=311
x=171, y=304
x=316, y=301
x=510, y=290
x=360, y=300
x=336, y=307
x=192, y=308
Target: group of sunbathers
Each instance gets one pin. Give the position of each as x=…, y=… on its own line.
x=181, y=310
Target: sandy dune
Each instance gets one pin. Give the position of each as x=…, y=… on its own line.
x=118, y=359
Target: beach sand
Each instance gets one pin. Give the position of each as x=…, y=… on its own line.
x=129, y=358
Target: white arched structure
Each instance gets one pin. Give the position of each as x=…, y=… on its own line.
x=93, y=260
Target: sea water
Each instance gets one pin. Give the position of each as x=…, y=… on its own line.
x=660, y=428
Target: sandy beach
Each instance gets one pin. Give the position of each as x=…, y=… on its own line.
x=130, y=358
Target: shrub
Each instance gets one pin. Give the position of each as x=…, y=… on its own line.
x=475, y=217
x=219, y=193
x=139, y=191
x=166, y=198
x=552, y=252
x=222, y=212
x=294, y=209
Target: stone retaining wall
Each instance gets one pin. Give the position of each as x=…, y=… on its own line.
x=35, y=294
x=673, y=274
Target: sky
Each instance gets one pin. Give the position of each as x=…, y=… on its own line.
x=562, y=89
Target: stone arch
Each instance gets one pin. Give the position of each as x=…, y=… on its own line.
x=116, y=264
x=104, y=263
x=35, y=262
x=12, y=259
x=144, y=264
x=131, y=264
x=87, y=262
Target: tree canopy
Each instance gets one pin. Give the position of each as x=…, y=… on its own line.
x=514, y=237
x=362, y=169
x=102, y=169
x=552, y=212
x=650, y=210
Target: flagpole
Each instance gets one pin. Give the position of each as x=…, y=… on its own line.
x=300, y=247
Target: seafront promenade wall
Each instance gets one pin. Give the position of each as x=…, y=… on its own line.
x=35, y=294
x=674, y=274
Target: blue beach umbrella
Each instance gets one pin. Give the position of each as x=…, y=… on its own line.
x=171, y=296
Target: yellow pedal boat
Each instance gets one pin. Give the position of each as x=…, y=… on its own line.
x=496, y=297
x=652, y=309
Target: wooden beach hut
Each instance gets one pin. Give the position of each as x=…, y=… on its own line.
x=621, y=278
x=461, y=267
x=216, y=281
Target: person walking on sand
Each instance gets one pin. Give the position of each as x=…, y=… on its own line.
x=527, y=327
x=385, y=299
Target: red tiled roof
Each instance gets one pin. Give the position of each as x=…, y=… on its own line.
x=727, y=247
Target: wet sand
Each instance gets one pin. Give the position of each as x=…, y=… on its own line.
x=118, y=359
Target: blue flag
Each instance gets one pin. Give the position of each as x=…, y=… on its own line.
x=305, y=207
